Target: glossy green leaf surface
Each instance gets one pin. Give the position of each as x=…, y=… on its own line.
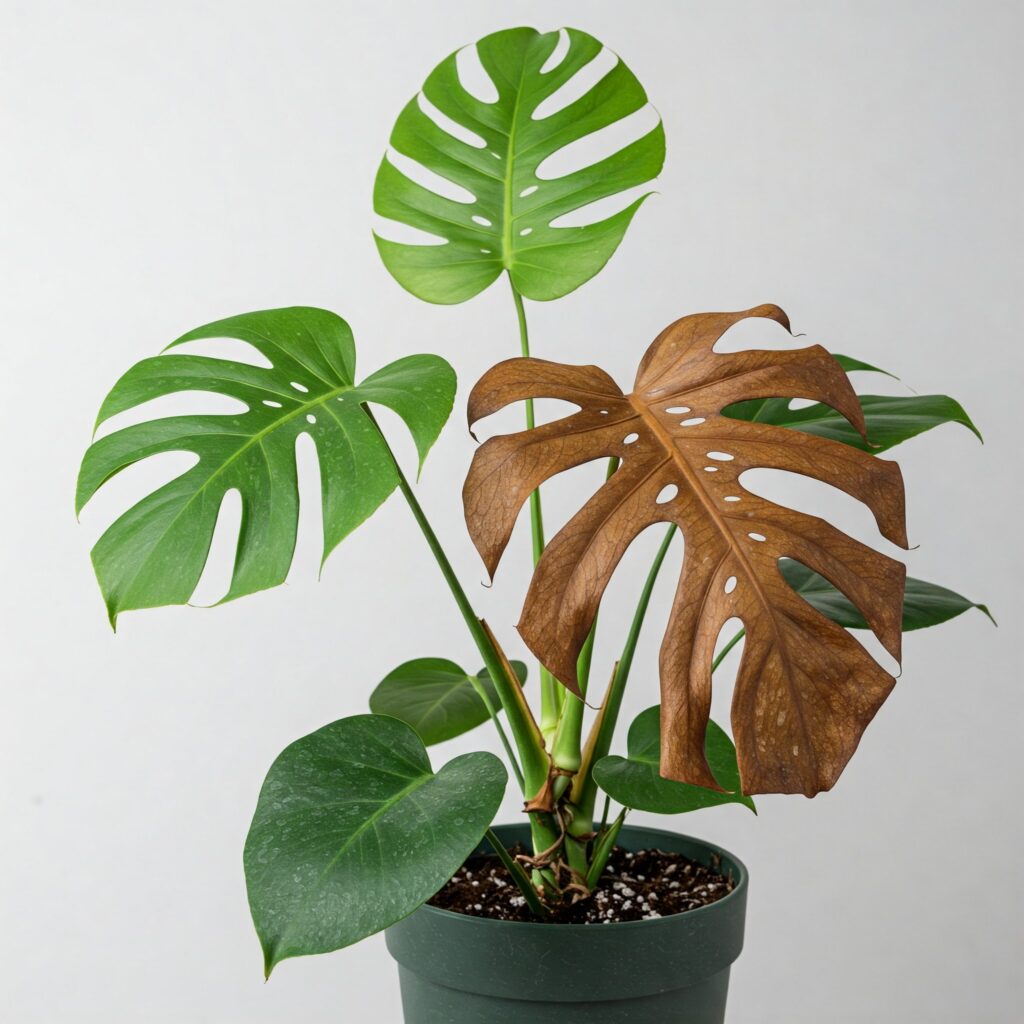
x=154, y=554
x=437, y=698
x=353, y=831
x=890, y=419
x=924, y=604
x=506, y=224
x=634, y=781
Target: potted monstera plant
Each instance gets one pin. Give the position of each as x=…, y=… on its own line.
x=355, y=829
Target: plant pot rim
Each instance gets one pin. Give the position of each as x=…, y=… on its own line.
x=738, y=890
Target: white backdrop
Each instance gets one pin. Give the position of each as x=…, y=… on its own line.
x=168, y=164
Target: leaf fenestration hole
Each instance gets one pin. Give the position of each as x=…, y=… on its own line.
x=630, y=438
x=598, y=146
x=721, y=456
x=450, y=127
x=692, y=422
x=666, y=494
x=310, y=418
x=482, y=221
x=131, y=485
x=215, y=579
x=473, y=77
x=732, y=497
x=759, y=537
x=603, y=412
x=309, y=538
x=730, y=584
x=486, y=252
x=677, y=410
x=710, y=469
x=428, y=179
x=526, y=231
x=299, y=387
x=557, y=55
x=528, y=191
x=404, y=234
x=578, y=85
x=272, y=404
x=233, y=349
x=178, y=403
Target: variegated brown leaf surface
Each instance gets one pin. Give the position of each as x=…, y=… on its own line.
x=805, y=689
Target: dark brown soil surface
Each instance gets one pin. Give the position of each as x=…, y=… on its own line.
x=635, y=886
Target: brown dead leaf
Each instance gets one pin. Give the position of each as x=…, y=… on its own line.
x=805, y=690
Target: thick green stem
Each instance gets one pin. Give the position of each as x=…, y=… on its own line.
x=532, y=756
x=567, y=746
x=492, y=711
x=586, y=788
x=551, y=691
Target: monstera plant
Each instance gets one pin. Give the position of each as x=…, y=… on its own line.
x=354, y=828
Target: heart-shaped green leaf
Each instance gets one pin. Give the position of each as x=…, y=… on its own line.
x=493, y=151
x=155, y=552
x=924, y=604
x=635, y=782
x=437, y=698
x=353, y=831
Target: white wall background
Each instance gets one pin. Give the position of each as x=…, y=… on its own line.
x=168, y=164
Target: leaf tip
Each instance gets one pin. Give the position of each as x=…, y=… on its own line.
x=984, y=608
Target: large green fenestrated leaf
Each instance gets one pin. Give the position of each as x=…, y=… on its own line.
x=508, y=225
x=155, y=552
x=890, y=419
x=437, y=698
x=353, y=831
x=924, y=604
x=635, y=781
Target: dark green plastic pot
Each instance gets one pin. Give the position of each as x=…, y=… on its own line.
x=456, y=969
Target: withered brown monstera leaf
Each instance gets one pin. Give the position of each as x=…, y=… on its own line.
x=806, y=690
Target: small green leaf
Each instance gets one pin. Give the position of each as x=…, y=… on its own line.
x=154, y=554
x=436, y=697
x=924, y=604
x=353, y=831
x=493, y=153
x=890, y=420
x=635, y=782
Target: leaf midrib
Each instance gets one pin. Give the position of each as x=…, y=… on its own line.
x=506, y=211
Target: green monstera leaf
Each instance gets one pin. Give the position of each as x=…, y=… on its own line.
x=493, y=151
x=154, y=554
x=353, y=830
x=437, y=698
x=924, y=604
x=635, y=781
